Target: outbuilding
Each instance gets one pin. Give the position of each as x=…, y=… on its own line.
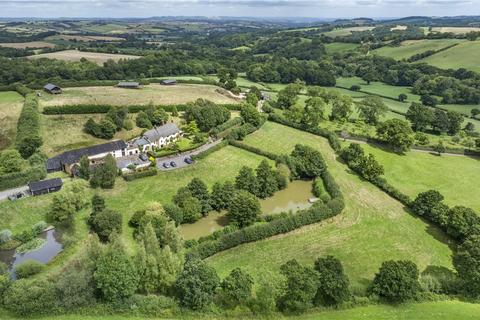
x=52, y=88
x=168, y=82
x=45, y=186
x=128, y=85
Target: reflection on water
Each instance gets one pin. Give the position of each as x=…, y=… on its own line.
x=293, y=198
x=44, y=254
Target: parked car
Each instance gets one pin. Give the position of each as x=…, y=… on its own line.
x=16, y=196
x=188, y=160
x=166, y=165
x=143, y=157
x=173, y=164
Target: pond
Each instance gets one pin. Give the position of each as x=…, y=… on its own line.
x=294, y=197
x=44, y=254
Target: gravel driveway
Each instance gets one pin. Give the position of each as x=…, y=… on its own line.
x=179, y=159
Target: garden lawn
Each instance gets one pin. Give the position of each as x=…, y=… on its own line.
x=411, y=47
x=372, y=228
x=465, y=55
x=10, y=107
x=456, y=177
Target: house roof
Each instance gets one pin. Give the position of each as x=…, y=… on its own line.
x=51, y=86
x=128, y=84
x=161, y=132
x=167, y=81
x=45, y=184
x=73, y=156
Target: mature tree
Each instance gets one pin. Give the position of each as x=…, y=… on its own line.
x=397, y=133
x=222, y=195
x=251, y=99
x=402, y=97
x=174, y=212
x=196, y=285
x=475, y=112
x=256, y=91
x=98, y=205
x=159, y=117
x=226, y=78
x=369, y=77
x=246, y=180
x=428, y=100
x=439, y=148
x=466, y=260
x=115, y=274
x=143, y=121
x=244, y=209
x=104, y=175
x=308, y=162
x=462, y=222
x=368, y=167
x=313, y=112
x=455, y=121
x=425, y=202
x=420, y=116
x=107, y=129
x=250, y=114
x=191, y=208
x=107, y=222
x=28, y=145
x=206, y=114
x=440, y=121
x=302, y=285
x=333, y=282
x=236, y=288
x=288, y=96
x=199, y=190
x=469, y=128
x=67, y=202
x=352, y=153
x=371, y=109
x=342, y=107
x=10, y=161
x=84, y=168
x=267, y=180
x=396, y=281
x=295, y=113
x=191, y=128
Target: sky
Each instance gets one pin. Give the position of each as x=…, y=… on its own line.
x=237, y=8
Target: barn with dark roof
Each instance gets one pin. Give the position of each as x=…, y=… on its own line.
x=45, y=186
x=52, y=88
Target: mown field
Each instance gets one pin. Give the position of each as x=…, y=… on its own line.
x=465, y=55
x=411, y=47
x=445, y=310
x=25, y=45
x=340, y=32
x=373, y=227
x=153, y=93
x=75, y=55
x=456, y=177
x=10, y=107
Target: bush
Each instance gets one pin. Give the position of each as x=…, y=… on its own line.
x=396, y=281
x=16, y=179
x=38, y=227
x=25, y=298
x=154, y=306
x=28, y=269
x=5, y=236
x=151, y=171
x=28, y=138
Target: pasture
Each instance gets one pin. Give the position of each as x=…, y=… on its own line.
x=153, y=93
x=456, y=30
x=372, y=228
x=337, y=47
x=26, y=45
x=411, y=47
x=464, y=55
x=340, y=32
x=10, y=107
x=83, y=38
x=75, y=55
x=456, y=177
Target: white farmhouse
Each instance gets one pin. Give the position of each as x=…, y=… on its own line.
x=157, y=137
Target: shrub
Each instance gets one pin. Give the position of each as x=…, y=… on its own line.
x=28, y=269
x=25, y=297
x=151, y=171
x=396, y=281
x=5, y=236
x=16, y=179
x=38, y=227
x=28, y=138
x=154, y=306
x=107, y=222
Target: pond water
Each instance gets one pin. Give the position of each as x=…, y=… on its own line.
x=44, y=254
x=294, y=197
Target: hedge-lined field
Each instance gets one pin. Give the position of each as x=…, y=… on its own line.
x=411, y=47
x=10, y=108
x=153, y=93
x=465, y=55
x=372, y=228
x=456, y=177
x=75, y=55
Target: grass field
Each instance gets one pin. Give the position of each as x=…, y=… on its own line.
x=445, y=310
x=372, y=228
x=75, y=55
x=10, y=108
x=456, y=30
x=465, y=55
x=25, y=45
x=83, y=38
x=410, y=47
x=456, y=177
x=340, y=32
x=335, y=47
x=153, y=93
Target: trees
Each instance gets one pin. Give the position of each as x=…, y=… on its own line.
x=466, y=260
x=107, y=222
x=10, y=161
x=246, y=180
x=159, y=117
x=371, y=108
x=425, y=202
x=308, y=162
x=236, y=288
x=302, y=284
x=428, y=100
x=115, y=275
x=420, y=116
x=368, y=167
x=206, y=114
x=222, y=195
x=333, y=282
x=288, y=96
x=402, y=97
x=196, y=285
x=191, y=206
x=312, y=115
x=396, y=281
x=352, y=153
x=462, y=222
x=250, y=114
x=84, y=168
x=439, y=148
x=455, y=121
x=440, y=121
x=341, y=108
x=199, y=190
x=142, y=120
x=28, y=145
x=67, y=202
x=105, y=174
x=266, y=179
x=397, y=133
x=244, y=209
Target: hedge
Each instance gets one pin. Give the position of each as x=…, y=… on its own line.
x=28, y=125
x=256, y=150
x=211, y=150
x=151, y=171
x=226, y=125
x=17, y=179
x=103, y=108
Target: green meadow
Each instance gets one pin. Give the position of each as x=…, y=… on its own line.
x=465, y=55
x=411, y=47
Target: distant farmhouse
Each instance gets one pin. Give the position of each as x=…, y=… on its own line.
x=68, y=161
x=129, y=85
x=53, y=89
x=169, y=82
x=45, y=186
x=157, y=137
